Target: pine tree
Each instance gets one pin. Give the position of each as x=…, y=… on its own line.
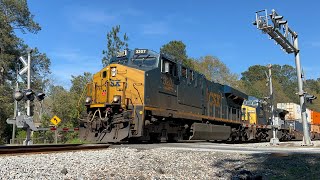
x=114, y=44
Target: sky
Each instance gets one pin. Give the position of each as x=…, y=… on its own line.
x=73, y=32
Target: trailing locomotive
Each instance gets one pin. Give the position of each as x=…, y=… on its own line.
x=145, y=96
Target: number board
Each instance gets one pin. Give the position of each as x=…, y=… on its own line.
x=141, y=51
x=122, y=53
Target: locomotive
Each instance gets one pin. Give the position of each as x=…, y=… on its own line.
x=147, y=96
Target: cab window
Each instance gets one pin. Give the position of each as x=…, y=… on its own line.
x=184, y=72
x=169, y=67
x=191, y=75
x=104, y=74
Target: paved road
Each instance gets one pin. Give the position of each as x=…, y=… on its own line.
x=287, y=148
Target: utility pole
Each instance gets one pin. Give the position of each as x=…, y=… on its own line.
x=301, y=93
x=56, y=135
x=279, y=31
x=274, y=140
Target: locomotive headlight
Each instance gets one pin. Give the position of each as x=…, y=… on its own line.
x=116, y=98
x=88, y=100
x=113, y=72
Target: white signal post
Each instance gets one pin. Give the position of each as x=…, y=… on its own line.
x=274, y=140
x=27, y=67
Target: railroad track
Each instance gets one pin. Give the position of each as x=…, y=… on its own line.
x=11, y=150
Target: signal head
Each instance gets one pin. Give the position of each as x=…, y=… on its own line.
x=29, y=94
x=41, y=96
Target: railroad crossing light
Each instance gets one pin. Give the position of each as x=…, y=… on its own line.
x=29, y=95
x=277, y=20
x=18, y=95
x=40, y=96
x=254, y=23
x=310, y=98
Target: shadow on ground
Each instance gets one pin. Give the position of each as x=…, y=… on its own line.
x=272, y=166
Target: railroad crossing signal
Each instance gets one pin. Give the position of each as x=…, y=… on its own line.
x=55, y=120
x=288, y=40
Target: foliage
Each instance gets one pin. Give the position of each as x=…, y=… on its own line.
x=215, y=70
x=80, y=82
x=284, y=84
x=283, y=77
x=114, y=44
x=17, y=14
x=77, y=141
x=64, y=104
x=313, y=88
x=14, y=14
x=177, y=49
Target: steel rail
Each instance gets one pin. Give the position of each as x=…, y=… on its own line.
x=12, y=149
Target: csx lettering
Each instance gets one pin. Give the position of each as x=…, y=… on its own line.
x=167, y=84
x=114, y=83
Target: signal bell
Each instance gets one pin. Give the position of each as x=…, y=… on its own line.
x=18, y=95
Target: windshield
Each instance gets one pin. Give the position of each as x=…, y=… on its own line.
x=144, y=60
x=121, y=57
x=122, y=60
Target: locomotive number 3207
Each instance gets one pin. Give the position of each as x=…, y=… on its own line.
x=140, y=51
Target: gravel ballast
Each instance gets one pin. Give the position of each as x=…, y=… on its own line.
x=131, y=163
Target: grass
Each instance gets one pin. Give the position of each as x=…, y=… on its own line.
x=77, y=141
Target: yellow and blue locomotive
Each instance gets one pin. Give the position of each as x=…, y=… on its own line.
x=146, y=96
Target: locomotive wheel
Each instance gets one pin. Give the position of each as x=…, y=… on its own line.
x=154, y=137
x=172, y=137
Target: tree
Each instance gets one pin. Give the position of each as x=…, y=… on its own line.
x=80, y=82
x=284, y=82
x=254, y=73
x=114, y=44
x=78, y=92
x=313, y=85
x=15, y=15
x=216, y=71
x=177, y=49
